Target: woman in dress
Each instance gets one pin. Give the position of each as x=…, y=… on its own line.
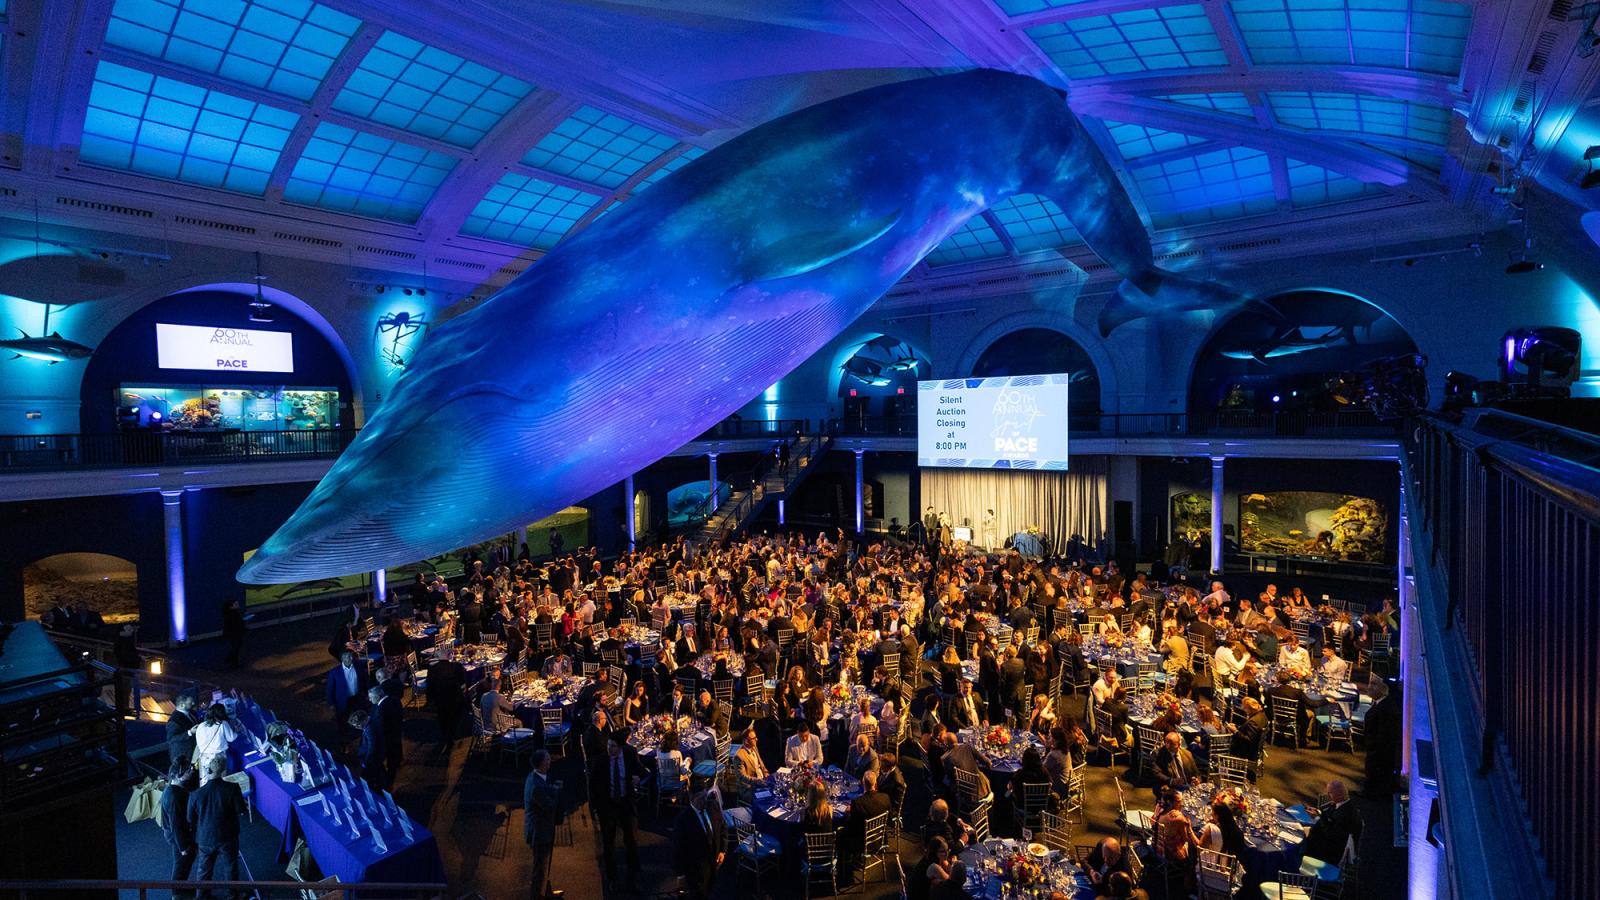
x=212, y=735
x=669, y=758
x=862, y=719
x=1043, y=719
x=818, y=818
x=638, y=705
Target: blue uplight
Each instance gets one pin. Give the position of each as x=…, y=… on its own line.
x=1363, y=114
x=973, y=241
x=169, y=129
x=1422, y=35
x=1134, y=141
x=285, y=46
x=1034, y=223
x=597, y=147
x=355, y=172
x=1206, y=187
x=1135, y=40
x=528, y=212
x=424, y=90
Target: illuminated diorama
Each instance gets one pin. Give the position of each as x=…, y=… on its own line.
x=221, y=408
x=1313, y=523
x=742, y=264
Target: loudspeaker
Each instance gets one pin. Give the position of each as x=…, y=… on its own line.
x=1122, y=521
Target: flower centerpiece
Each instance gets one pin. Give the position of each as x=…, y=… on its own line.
x=998, y=737
x=1233, y=798
x=840, y=693
x=1019, y=869
x=801, y=777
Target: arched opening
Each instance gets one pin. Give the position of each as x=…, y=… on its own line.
x=641, y=516
x=102, y=589
x=1275, y=365
x=195, y=361
x=1045, y=351
x=876, y=379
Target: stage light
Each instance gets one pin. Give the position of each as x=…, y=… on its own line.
x=1589, y=180
x=1276, y=398
x=156, y=416
x=155, y=667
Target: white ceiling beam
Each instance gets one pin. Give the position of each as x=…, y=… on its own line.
x=1087, y=9
x=57, y=60
x=496, y=154
x=1362, y=163
x=321, y=101
x=1000, y=231
x=1420, y=86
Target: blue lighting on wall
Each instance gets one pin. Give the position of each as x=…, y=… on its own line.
x=424, y=90
x=285, y=46
x=177, y=595
x=355, y=172
x=528, y=211
x=1135, y=40
x=162, y=127
x=1422, y=35
x=597, y=147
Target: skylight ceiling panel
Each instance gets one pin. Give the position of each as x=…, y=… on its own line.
x=167, y=128
x=355, y=172
x=286, y=46
x=1229, y=103
x=598, y=148
x=1138, y=40
x=1311, y=185
x=1034, y=223
x=1134, y=141
x=973, y=241
x=409, y=85
x=528, y=211
x=670, y=166
x=1023, y=7
x=1362, y=114
x=1207, y=187
x=1421, y=35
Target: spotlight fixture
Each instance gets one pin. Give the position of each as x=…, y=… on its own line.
x=260, y=309
x=381, y=288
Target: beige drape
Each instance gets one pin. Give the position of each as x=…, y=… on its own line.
x=1061, y=504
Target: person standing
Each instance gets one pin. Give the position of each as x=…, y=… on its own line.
x=233, y=630
x=447, y=684
x=698, y=839
x=386, y=709
x=615, y=805
x=214, y=811
x=541, y=808
x=180, y=728
x=347, y=687
x=175, y=822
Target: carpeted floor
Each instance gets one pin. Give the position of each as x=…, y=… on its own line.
x=474, y=808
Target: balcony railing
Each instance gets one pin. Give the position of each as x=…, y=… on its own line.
x=46, y=452
x=1279, y=423
x=756, y=428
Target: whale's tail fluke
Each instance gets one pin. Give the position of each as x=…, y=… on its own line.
x=1160, y=292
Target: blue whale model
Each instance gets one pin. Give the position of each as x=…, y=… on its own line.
x=632, y=337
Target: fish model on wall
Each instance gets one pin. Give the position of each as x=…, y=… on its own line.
x=52, y=348
x=634, y=336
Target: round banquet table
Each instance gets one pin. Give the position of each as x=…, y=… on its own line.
x=984, y=861
x=776, y=814
x=695, y=741
x=1142, y=710
x=528, y=698
x=1126, y=657
x=706, y=663
x=1003, y=759
x=1273, y=832
x=477, y=660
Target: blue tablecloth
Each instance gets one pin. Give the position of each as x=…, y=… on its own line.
x=355, y=860
x=273, y=799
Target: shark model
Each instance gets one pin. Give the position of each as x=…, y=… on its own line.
x=1301, y=339
x=52, y=348
x=633, y=336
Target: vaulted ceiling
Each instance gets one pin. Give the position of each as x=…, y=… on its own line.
x=494, y=130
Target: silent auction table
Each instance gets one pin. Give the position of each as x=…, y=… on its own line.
x=300, y=813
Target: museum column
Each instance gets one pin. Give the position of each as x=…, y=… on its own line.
x=177, y=601
x=1216, y=513
x=631, y=512
x=711, y=495
x=860, y=483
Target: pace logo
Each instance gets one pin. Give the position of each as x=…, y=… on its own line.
x=233, y=337
x=1014, y=414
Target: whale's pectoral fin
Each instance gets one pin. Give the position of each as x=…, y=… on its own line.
x=797, y=254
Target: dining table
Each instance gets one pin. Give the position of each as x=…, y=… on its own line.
x=696, y=742
x=1273, y=831
x=530, y=696
x=990, y=870
x=1003, y=747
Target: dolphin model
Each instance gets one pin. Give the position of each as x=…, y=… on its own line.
x=52, y=348
x=634, y=336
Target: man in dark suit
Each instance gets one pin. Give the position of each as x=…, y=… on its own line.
x=698, y=842
x=1014, y=686
x=1286, y=693
x=615, y=805
x=347, y=687
x=541, y=807
x=1174, y=764
x=214, y=812
x=852, y=837
x=386, y=709
x=709, y=713
x=447, y=684
x=175, y=822
x=965, y=709
x=471, y=618
x=1338, y=823
x=180, y=742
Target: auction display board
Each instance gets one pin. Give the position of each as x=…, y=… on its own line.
x=1006, y=422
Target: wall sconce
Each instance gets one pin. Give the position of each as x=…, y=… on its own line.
x=155, y=667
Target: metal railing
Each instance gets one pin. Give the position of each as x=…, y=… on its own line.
x=1278, y=423
x=51, y=452
x=326, y=889
x=1510, y=523
x=756, y=428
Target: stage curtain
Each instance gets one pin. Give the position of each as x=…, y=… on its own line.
x=1062, y=504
